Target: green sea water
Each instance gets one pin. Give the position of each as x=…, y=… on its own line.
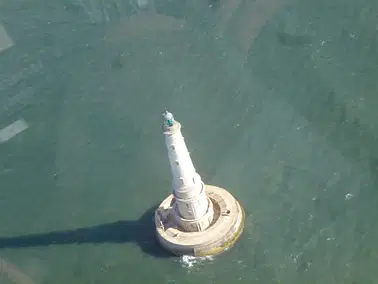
x=277, y=99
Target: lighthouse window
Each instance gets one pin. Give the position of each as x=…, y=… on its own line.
x=173, y=147
x=177, y=163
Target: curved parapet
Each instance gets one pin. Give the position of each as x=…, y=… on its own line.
x=225, y=230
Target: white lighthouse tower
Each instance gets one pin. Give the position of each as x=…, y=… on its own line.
x=193, y=209
x=196, y=219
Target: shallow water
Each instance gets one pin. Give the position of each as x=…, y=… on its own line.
x=277, y=100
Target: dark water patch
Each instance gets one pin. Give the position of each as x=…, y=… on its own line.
x=293, y=40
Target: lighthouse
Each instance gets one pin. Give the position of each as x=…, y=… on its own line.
x=193, y=210
x=196, y=219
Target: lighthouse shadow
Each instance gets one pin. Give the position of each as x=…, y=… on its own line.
x=140, y=232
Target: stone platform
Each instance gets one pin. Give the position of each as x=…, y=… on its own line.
x=225, y=230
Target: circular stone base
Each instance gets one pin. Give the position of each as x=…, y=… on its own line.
x=225, y=230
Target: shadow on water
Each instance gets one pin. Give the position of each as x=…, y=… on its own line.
x=141, y=232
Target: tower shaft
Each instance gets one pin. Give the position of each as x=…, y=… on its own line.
x=191, y=203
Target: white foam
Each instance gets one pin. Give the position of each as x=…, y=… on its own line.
x=5, y=40
x=189, y=261
x=349, y=196
x=12, y=130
